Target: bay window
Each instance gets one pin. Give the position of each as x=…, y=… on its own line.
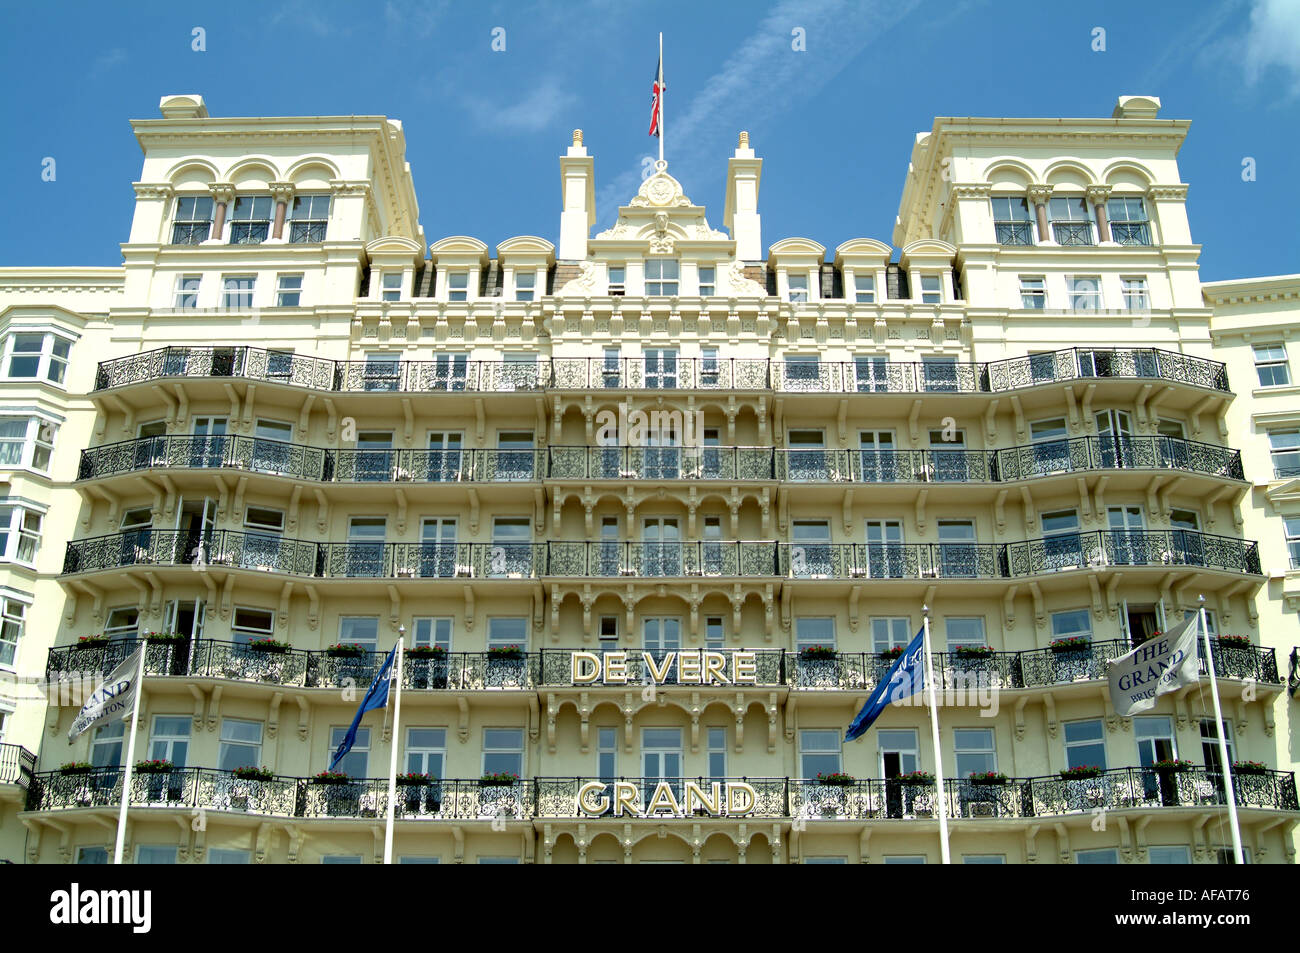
x=36, y=355
x=20, y=533
x=26, y=442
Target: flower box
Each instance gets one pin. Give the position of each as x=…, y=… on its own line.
x=165, y=637
x=269, y=645
x=156, y=766
x=816, y=653
x=1072, y=644
x=836, y=779
x=1172, y=765
x=76, y=767
x=330, y=777
x=1248, y=767
x=1080, y=773
x=893, y=653
x=991, y=777
x=916, y=777
x=344, y=650
x=91, y=642
x=504, y=779
x=411, y=780
x=1234, y=642
x=502, y=653
x=973, y=652
x=250, y=773
x=426, y=651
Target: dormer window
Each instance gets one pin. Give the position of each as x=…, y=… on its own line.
x=798, y=287
x=708, y=281
x=458, y=286
x=250, y=223
x=930, y=293
x=864, y=287
x=617, y=279
x=661, y=276
x=392, y=290
x=525, y=285
x=193, y=220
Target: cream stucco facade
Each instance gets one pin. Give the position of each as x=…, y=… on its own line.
x=731, y=481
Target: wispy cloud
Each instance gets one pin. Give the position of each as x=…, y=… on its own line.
x=1189, y=45
x=107, y=60
x=417, y=18
x=536, y=111
x=1273, y=41
x=762, y=80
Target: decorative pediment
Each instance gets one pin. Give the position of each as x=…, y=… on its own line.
x=661, y=215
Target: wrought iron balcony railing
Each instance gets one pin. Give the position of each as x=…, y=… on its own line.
x=262, y=552
x=306, y=231
x=434, y=466
x=557, y=667
x=1130, y=233
x=660, y=463
x=190, y=233
x=1072, y=233
x=662, y=372
x=886, y=466
x=613, y=559
x=1105, y=548
x=559, y=798
x=16, y=765
x=1118, y=453
x=812, y=560
x=431, y=560
x=453, y=374
x=1014, y=233
x=202, y=452
x=1293, y=679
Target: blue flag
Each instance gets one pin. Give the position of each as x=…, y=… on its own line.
x=906, y=677
x=377, y=697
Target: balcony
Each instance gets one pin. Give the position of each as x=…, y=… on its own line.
x=1014, y=233
x=1072, y=233
x=1130, y=233
x=16, y=766
x=252, y=454
x=1107, y=548
x=557, y=668
x=886, y=466
x=660, y=463
x=964, y=560
x=1118, y=453
x=223, y=548
x=455, y=375
x=659, y=560
x=363, y=560
x=559, y=798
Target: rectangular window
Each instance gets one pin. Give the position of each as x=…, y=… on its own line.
x=1084, y=292
x=661, y=634
x=92, y=855
x=717, y=753
x=155, y=854
x=1085, y=745
x=1283, y=444
x=661, y=276
x=1102, y=855
x=12, y=617
x=106, y=747
x=193, y=219
x=708, y=281
x=890, y=633
x=714, y=631
x=1012, y=221
x=617, y=279
x=228, y=855
x=1135, y=294
x=905, y=859
x=237, y=291
x=1070, y=222
x=864, y=288
x=1072, y=623
x=340, y=858
x=36, y=356
x=288, y=291
x=251, y=624
x=525, y=285
x=939, y=373
x=983, y=858
x=1271, y=365
x=432, y=630
x=506, y=631
x=1169, y=854
x=171, y=739
x=426, y=751
x=798, y=285
x=814, y=630
x=360, y=630
x=964, y=631
x=1033, y=296
x=392, y=289
x=819, y=752
x=123, y=622
x=458, y=286
x=503, y=751
x=250, y=222
x=1128, y=221
x=974, y=751
x=20, y=533
x=241, y=744
x=1291, y=528
x=355, y=763
x=930, y=293
x=187, y=291
x=609, y=628
x=308, y=218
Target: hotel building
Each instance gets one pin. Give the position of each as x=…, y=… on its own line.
x=657, y=504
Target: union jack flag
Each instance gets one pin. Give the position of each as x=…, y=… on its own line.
x=656, y=91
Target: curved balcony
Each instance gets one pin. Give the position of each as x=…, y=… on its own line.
x=16, y=766
x=453, y=374
x=559, y=798
x=660, y=560
x=1118, y=548
x=1117, y=453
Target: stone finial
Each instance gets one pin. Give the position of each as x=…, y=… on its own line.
x=744, y=140
x=577, y=137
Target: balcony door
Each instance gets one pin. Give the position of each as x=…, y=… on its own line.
x=1062, y=545
x=661, y=546
x=886, y=555
x=1114, y=443
x=374, y=457
x=948, y=459
x=872, y=374
x=811, y=555
x=209, y=447
x=515, y=455
x=1127, y=533
x=438, y=547
x=608, y=559
x=196, y=527
x=958, y=552
x=806, y=456
x=512, y=547
x=450, y=372
x=272, y=446
x=898, y=757
x=662, y=454
x=661, y=758
x=444, y=456
x=877, y=456
x=1186, y=544
x=660, y=368
x=1154, y=735
x=365, y=549
x=1049, y=447
x=713, y=553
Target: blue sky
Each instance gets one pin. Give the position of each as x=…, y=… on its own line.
x=834, y=123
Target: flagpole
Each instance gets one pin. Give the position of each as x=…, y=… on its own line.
x=934, y=732
x=130, y=758
x=661, y=98
x=1229, y=786
x=392, y=758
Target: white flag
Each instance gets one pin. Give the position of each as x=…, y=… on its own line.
x=1161, y=664
x=111, y=700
